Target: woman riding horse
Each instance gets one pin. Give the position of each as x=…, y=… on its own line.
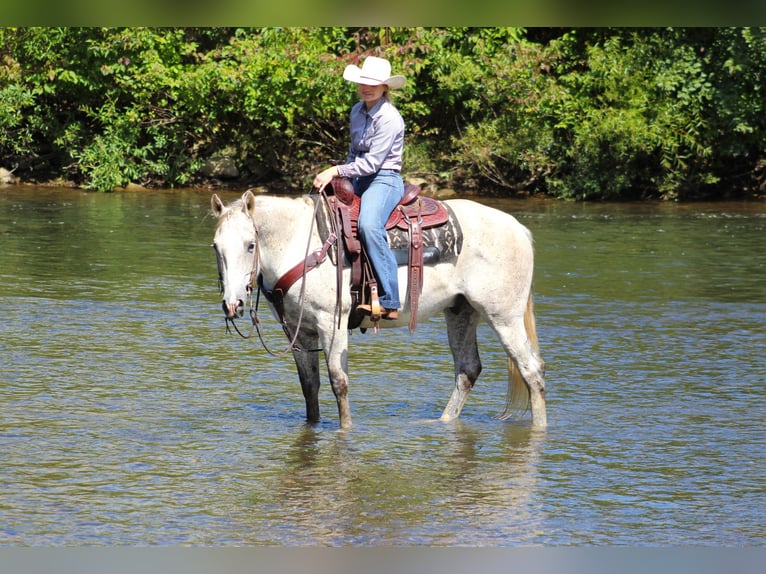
x=374, y=163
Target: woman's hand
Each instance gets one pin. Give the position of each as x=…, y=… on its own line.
x=325, y=177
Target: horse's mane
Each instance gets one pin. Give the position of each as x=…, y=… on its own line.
x=238, y=204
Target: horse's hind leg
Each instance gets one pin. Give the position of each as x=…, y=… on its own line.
x=521, y=349
x=462, y=321
x=308, y=373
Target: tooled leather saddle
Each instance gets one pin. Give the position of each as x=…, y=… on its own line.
x=415, y=234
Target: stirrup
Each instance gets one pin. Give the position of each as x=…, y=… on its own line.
x=388, y=314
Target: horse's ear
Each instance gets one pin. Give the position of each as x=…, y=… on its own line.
x=248, y=202
x=217, y=205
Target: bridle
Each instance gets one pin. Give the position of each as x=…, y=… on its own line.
x=230, y=322
x=255, y=282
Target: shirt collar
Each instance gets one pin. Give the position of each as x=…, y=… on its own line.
x=375, y=109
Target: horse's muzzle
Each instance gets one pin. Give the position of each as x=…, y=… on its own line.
x=234, y=310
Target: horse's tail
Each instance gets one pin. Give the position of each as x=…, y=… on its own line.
x=517, y=395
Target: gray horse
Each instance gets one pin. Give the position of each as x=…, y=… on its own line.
x=491, y=278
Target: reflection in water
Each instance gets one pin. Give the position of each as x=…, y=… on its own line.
x=338, y=492
x=129, y=417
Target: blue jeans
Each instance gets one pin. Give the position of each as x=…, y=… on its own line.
x=380, y=194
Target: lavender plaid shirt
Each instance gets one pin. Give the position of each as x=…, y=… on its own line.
x=377, y=140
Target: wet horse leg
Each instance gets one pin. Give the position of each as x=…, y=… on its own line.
x=308, y=373
x=462, y=321
x=515, y=340
x=335, y=344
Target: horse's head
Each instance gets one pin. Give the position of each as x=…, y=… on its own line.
x=236, y=248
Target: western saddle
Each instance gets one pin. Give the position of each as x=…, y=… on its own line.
x=413, y=214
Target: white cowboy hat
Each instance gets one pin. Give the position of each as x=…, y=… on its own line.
x=374, y=72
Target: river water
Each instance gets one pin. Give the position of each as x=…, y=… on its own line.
x=129, y=416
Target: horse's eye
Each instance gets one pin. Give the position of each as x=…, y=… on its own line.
x=251, y=247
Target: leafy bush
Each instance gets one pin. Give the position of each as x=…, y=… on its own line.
x=578, y=114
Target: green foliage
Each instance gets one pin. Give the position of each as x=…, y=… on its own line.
x=616, y=114
x=579, y=114
x=634, y=122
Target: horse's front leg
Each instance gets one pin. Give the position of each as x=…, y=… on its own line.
x=335, y=344
x=307, y=362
